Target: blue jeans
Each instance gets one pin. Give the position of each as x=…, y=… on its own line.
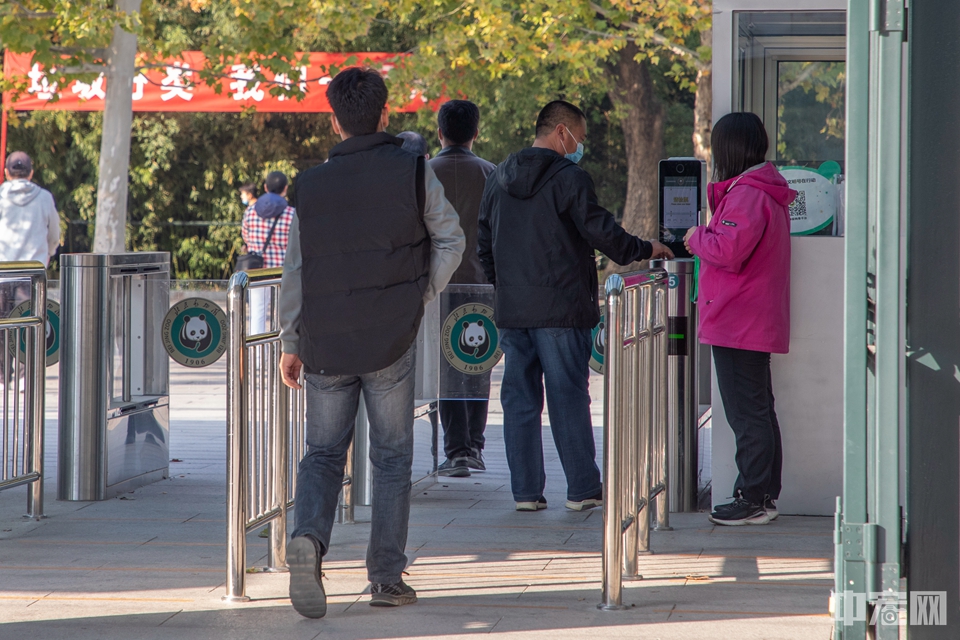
x=559, y=360
x=332, y=403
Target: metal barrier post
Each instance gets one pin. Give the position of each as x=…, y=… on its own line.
x=643, y=427
x=345, y=516
x=236, y=440
x=37, y=368
x=611, y=594
x=659, y=423
x=21, y=439
x=277, y=557
x=633, y=402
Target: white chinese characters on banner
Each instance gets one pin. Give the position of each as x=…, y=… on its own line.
x=138, y=83
x=90, y=91
x=175, y=85
x=283, y=80
x=242, y=76
x=39, y=85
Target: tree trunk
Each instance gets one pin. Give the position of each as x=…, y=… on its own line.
x=111, y=222
x=703, y=108
x=642, y=122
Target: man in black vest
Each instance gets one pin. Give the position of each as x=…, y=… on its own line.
x=539, y=226
x=463, y=176
x=373, y=240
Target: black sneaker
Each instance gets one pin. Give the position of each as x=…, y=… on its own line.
x=588, y=503
x=541, y=503
x=454, y=468
x=739, y=512
x=770, y=506
x=391, y=595
x=474, y=460
x=306, y=586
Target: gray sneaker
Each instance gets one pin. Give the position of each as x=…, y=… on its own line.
x=475, y=461
x=306, y=580
x=455, y=468
x=391, y=595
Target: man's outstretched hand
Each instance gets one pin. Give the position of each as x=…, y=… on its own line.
x=290, y=366
x=660, y=250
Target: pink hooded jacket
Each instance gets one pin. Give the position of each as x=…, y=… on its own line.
x=744, y=294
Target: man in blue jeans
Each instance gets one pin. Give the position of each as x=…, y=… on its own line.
x=374, y=238
x=539, y=226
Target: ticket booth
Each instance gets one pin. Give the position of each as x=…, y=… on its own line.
x=785, y=61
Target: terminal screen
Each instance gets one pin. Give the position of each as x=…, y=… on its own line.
x=680, y=206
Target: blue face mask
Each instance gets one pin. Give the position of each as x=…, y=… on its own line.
x=244, y=199
x=576, y=155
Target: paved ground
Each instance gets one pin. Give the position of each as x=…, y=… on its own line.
x=151, y=563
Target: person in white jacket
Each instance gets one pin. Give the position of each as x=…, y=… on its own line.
x=29, y=223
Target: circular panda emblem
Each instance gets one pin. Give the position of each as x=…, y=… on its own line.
x=51, y=330
x=470, y=340
x=195, y=332
x=599, y=335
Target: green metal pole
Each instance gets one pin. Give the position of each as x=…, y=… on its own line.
x=889, y=353
x=851, y=572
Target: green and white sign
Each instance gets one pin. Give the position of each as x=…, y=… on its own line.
x=470, y=340
x=51, y=331
x=816, y=204
x=194, y=332
x=599, y=341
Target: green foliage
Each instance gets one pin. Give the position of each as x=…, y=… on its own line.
x=810, y=92
x=184, y=173
x=509, y=56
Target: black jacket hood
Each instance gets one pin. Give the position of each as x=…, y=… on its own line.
x=524, y=173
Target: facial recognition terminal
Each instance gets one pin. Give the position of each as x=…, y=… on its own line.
x=682, y=185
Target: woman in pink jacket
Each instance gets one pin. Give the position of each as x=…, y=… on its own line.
x=744, y=305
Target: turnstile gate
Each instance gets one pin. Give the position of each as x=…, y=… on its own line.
x=114, y=374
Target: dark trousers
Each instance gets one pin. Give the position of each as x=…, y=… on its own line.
x=464, y=422
x=746, y=389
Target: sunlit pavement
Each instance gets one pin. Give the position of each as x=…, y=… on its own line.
x=151, y=564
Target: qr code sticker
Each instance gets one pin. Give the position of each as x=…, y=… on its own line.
x=798, y=209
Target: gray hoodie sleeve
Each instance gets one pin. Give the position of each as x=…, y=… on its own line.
x=53, y=223
x=446, y=236
x=291, y=292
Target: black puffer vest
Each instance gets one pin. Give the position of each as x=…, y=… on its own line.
x=366, y=256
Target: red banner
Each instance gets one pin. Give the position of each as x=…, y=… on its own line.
x=176, y=86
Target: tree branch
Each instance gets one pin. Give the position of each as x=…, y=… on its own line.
x=19, y=9
x=74, y=51
x=656, y=36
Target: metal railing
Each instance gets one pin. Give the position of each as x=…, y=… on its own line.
x=635, y=425
x=265, y=432
x=23, y=363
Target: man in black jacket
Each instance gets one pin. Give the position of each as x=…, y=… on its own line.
x=539, y=226
x=374, y=238
x=463, y=176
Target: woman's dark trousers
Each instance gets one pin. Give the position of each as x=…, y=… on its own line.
x=746, y=389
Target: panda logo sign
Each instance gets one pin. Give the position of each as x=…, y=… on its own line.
x=599, y=335
x=51, y=331
x=470, y=340
x=195, y=332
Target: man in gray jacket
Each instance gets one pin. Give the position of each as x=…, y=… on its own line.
x=372, y=241
x=463, y=176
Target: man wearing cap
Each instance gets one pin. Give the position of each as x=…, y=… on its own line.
x=29, y=223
